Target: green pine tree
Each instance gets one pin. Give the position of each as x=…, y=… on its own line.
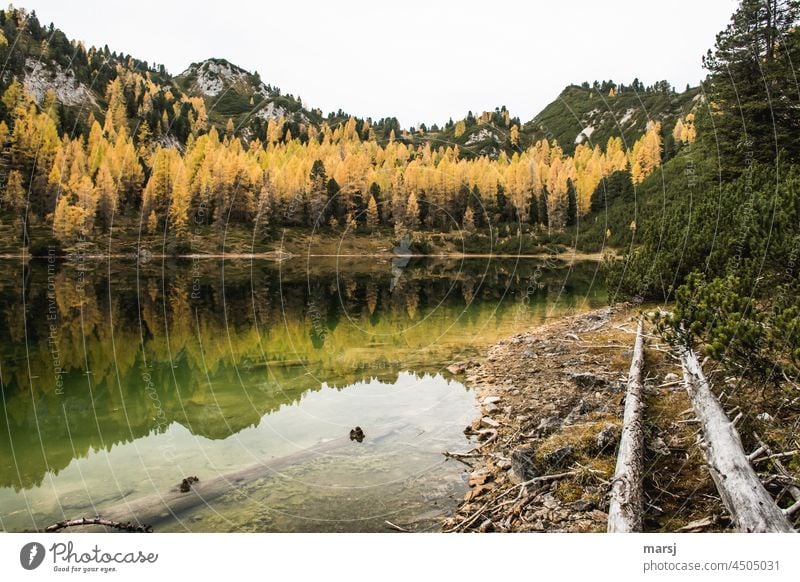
x=752, y=83
x=572, y=204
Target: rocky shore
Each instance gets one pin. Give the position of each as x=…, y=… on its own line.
x=551, y=415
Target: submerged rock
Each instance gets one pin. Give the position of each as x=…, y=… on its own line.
x=186, y=484
x=456, y=369
x=357, y=434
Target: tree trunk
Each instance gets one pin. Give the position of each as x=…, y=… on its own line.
x=161, y=507
x=750, y=505
x=625, y=509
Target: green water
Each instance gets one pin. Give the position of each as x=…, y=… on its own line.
x=120, y=379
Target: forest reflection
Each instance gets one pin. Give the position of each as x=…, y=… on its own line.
x=97, y=354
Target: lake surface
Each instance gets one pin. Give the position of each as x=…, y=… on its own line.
x=120, y=379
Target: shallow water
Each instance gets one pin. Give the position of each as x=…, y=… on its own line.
x=119, y=380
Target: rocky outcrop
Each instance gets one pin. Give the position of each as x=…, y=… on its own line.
x=212, y=76
x=41, y=77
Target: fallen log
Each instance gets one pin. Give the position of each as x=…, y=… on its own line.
x=751, y=507
x=83, y=521
x=161, y=507
x=625, y=509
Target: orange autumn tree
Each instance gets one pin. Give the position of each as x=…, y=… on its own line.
x=293, y=174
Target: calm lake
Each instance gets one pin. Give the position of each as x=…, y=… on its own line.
x=120, y=379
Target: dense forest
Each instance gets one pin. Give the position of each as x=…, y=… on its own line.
x=145, y=156
x=720, y=227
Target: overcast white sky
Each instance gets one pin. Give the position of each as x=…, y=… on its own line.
x=419, y=60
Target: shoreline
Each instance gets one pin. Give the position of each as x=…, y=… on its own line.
x=277, y=256
x=551, y=404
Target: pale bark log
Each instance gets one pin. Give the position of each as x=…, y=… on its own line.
x=625, y=509
x=751, y=507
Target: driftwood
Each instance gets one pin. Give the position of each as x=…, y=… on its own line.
x=160, y=507
x=751, y=507
x=127, y=526
x=793, y=490
x=501, y=511
x=466, y=522
x=699, y=525
x=625, y=509
x=546, y=478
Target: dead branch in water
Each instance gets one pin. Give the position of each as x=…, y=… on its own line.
x=461, y=457
x=121, y=526
x=474, y=452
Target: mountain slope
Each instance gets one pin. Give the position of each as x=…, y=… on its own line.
x=582, y=114
x=44, y=59
x=231, y=92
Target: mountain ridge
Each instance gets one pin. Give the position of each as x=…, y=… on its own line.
x=47, y=59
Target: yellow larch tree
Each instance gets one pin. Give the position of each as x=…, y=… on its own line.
x=412, y=212
x=13, y=197
x=685, y=131
x=373, y=217
x=180, y=203
x=646, y=154
x=106, y=194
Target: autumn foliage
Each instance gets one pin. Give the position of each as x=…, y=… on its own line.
x=333, y=174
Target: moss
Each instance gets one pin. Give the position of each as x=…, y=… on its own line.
x=581, y=436
x=603, y=466
x=569, y=491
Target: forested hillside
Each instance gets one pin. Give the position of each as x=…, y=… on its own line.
x=593, y=114
x=94, y=139
x=718, y=223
